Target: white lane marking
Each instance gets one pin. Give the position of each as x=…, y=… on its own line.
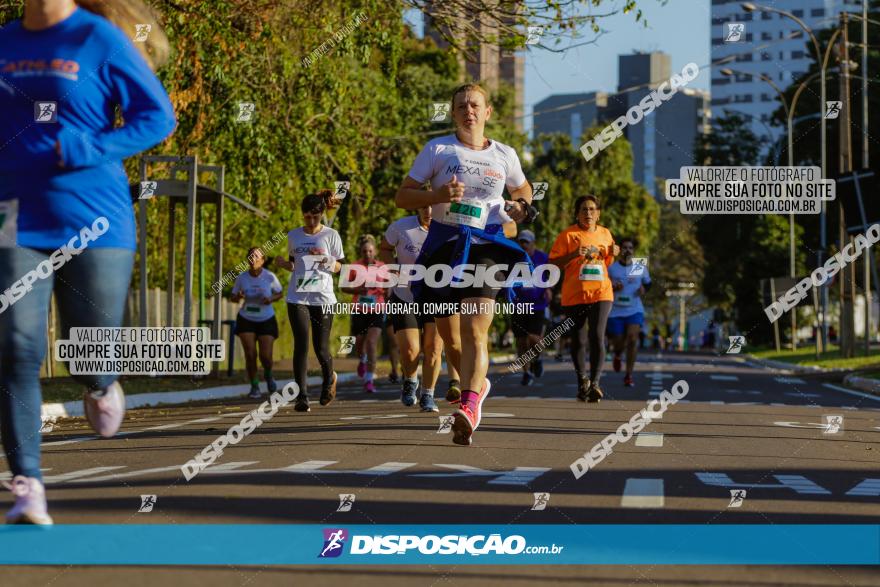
x=649, y=439
x=71, y=441
x=796, y=394
x=368, y=401
x=723, y=377
x=308, y=466
x=753, y=392
x=126, y=475
x=793, y=380
x=851, y=392
x=377, y=417
x=497, y=415
x=643, y=493
x=532, y=397
x=78, y=474
x=716, y=402
x=654, y=393
x=659, y=375
x=226, y=467
x=742, y=404
x=797, y=483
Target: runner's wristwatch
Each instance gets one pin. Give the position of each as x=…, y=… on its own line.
x=531, y=211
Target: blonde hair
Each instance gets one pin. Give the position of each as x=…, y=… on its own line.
x=471, y=88
x=126, y=14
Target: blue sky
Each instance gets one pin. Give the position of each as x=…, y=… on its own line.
x=680, y=28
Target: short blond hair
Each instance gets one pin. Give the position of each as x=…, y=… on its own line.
x=126, y=14
x=471, y=88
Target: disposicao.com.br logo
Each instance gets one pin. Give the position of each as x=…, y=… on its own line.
x=431, y=544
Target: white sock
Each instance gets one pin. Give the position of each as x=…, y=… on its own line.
x=428, y=392
x=413, y=380
x=368, y=377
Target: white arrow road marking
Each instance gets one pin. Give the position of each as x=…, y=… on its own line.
x=518, y=476
x=226, y=467
x=128, y=474
x=869, y=487
x=7, y=476
x=643, y=493
x=799, y=425
x=797, y=483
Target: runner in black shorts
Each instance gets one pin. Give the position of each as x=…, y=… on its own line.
x=467, y=174
x=404, y=240
x=259, y=289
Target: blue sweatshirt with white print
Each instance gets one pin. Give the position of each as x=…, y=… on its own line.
x=87, y=67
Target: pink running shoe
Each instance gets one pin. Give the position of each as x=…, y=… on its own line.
x=467, y=418
x=30, y=502
x=369, y=387
x=105, y=413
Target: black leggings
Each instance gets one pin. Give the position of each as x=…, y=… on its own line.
x=595, y=316
x=300, y=316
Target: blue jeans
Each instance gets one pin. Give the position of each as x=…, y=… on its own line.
x=90, y=290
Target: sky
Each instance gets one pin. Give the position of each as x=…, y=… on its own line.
x=680, y=28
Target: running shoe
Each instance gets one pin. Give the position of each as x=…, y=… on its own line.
x=255, y=391
x=583, y=389
x=408, y=394
x=595, y=394
x=328, y=392
x=393, y=379
x=30, y=502
x=527, y=379
x=628, y=381
x=617, y=363
x=538, y=368
x=453, y=394
x=369, y=387
x=362, y=369
x=105, y=409
x=467, y=417
x=427, y=403
x=302, y=403
x=271, y=386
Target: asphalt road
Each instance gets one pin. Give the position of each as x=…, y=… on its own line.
x=740, y=426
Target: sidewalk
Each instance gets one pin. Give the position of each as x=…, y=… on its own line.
x=852, y=380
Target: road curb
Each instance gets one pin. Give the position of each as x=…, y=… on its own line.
x=871, y=386
x=73, y=409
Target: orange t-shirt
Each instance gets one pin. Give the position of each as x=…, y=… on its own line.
x=585, y=281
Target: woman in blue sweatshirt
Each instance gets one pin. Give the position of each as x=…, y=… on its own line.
x=66, y=219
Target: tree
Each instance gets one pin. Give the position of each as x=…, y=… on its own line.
x=739, y=249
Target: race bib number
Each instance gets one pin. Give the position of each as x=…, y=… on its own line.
x=471, y=213
x=592, y=272
x=8, y=224
x=252, y=309
x=623, y=301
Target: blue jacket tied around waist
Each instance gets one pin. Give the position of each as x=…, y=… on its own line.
x=439, y=234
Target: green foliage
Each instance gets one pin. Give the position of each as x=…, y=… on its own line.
x=740, y=250
x=627, y=207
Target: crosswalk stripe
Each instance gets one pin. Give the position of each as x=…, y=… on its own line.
x=654, y=439
x=643, y=493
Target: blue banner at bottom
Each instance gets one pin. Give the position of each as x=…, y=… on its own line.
x=282, y=544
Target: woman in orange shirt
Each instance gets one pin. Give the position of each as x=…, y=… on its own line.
x=584, y=251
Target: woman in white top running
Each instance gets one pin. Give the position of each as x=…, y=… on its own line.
x=255, y=323
x=468, y=174
x=314, y=252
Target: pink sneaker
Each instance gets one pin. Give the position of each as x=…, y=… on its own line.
x=30, y=502
x=468, y=416
x=105, y=413
x=369, y=387
x=362, y=369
